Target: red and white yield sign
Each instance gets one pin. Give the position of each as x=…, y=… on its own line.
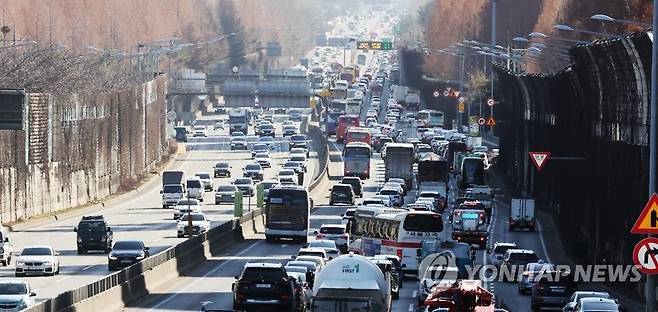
x=539, y=159
x=645, y=255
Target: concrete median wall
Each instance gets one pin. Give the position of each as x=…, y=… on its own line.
x=80, y=149
x=119, y=289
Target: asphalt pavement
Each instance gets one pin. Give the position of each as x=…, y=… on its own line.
x=139, y=214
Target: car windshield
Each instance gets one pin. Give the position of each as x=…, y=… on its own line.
x=342, y=188
x=322, y=244
x=268, y=185
x=298, y=158
x=297, y=269
x=286, y=172
x=262, y=155
x=266, y=139
x=195, y=217
x=332, y=230
x=297, y=138
x=172, y=189
x=193, y=183
x=242, y=181
x=37, y=251
x=260, y=147
x=388, y=192
x=128, y=245
x=291, y=164
x=253, y=167
x=266, y=127
x=227, y=188
x=261, y=274
x=523, y=257
x=221, y=165
x=91, y=226
x=187, y=202
x=13, y=289
x=203, y=175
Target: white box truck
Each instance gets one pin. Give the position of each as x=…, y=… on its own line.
x=522, y=214
x=351, y=283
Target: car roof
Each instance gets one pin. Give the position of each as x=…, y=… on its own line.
x=13, y=281
x=311, y=249
x=263, y=265
x=504, y=244
x=130, y=241
x=38, y=246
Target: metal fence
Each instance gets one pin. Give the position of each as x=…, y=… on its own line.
x=593, y=117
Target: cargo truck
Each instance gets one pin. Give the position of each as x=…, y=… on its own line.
x=238, y=121
x=351, y=283
x=173, y=187
x=399, y=162
x=412, y=100
x=522, y=214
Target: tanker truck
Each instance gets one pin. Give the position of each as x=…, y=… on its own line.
x=351, y=283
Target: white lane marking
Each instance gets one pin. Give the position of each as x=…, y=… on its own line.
x=87, y=267
x=414, y=294
x=196, y=281
x=284, y=246
x=411, y=307
x=541, y=240
x=63, y=278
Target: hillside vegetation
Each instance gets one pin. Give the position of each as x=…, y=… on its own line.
x=450, y=21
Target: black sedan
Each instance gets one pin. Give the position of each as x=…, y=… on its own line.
x=124, y=253
x=222, y=169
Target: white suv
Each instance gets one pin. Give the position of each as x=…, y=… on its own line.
x=337, y=233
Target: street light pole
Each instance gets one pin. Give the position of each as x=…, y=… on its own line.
x=493, y=43
x=650, y=291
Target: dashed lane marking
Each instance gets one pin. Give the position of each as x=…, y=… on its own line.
x=411, y=307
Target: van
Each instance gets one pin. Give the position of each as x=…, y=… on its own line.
x=195, y=188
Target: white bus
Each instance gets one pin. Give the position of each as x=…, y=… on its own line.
x=287, y=213
x=389, y=232
x=431, y=118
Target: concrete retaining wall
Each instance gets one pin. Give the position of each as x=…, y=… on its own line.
x=80, y=149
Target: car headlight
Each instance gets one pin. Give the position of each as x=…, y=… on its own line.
x=47, y=262
x=19, y=262
x=112, y=256
x=21, y=305
x=140, y=257
x=180, y=226
x=79, y=240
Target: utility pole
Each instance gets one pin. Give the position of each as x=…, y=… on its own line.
x=650, y=287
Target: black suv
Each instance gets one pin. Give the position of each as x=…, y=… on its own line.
x=222, y=169
x=355, y=182
x=263, y=287
x=93, y=234
x=552, y=289
x=341, y=193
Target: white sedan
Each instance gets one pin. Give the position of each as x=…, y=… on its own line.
x=37, y=260
x=287, y=175
x=200, y=224
x=263, y=159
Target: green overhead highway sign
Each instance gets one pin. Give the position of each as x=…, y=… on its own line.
x=374, y=45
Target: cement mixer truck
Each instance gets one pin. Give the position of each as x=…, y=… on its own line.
x=351, y=283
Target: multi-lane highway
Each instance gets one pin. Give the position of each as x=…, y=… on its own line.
x=139, y=214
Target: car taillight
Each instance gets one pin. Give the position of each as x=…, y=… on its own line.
x=285, y=297
x=242, y=297
x=540, y=286
x=399, y=253
x=343, y=236
x=319, y=236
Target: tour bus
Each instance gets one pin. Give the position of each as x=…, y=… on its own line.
x=287, y=213
x=431, y=118
x=356, y=159
x=332, y=122
x=398, y=234
x=353, y=107
x=357, y=134
x=345, y=122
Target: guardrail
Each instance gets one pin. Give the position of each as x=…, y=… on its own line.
x=129, y=283
x=323, y=155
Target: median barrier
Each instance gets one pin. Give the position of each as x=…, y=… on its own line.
x=120, y=288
